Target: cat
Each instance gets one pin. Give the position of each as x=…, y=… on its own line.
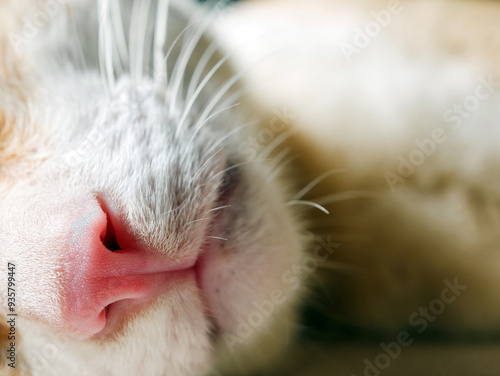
x=160, y=216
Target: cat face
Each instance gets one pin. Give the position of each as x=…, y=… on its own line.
x=143, y=242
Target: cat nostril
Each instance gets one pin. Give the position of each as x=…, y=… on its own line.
x=108, y=238
x=115, y=236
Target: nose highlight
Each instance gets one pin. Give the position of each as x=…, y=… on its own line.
x=100, y=272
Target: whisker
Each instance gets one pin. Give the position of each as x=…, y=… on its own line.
x=207, y=120
x=133, y=39
x=198, y=71
x=279, y=169
x=197, y=92
x=120, y=42
x=105, y=49
x=198, y=220
x=232, y=81
x=316, y=181
x=142, y=26
x=218, y=238
x=184, y=203
x=231, y=168
x=232, y=133
x=219, y=208
x=160, y=69
x=79, y=48
x=211, y=105
x=279, y=157
x=277, y=142
x=183, y=59
x=167, y=55
x=307, y=203
x=204, y=164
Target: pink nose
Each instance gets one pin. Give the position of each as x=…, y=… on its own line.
x=99, y=276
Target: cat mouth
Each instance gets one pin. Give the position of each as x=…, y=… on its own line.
x=116, y=314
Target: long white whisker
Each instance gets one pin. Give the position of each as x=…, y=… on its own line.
x=142, y=27
x=219, y=208
x=198, y=220
x=231, y=99
x=307, y=203
x=232, y=167
x=316, y=181
x=160, y=68
x=187, y=52
x=279, y=169
x=109, y=55
x=197, y=92
x=211, y=105
x=165, y=60
x=202, y=64
x=118, y=31
x=232, y=81
x=79, y=48
x=204, y=164
x=207, y=120
x=182, y=61
x=218, y=238
x=133, y=40
x=279, y=157
x=105, y=50
x=235, y=130
x=277, y=142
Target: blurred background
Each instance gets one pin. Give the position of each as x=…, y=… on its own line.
x=396, y=112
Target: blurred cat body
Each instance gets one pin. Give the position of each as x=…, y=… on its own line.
x=395, y=107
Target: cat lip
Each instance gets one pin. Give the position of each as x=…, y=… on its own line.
x=118, y=312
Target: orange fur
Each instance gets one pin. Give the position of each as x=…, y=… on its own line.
x=15, y=93
x=4, y=345
x=10, y=150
